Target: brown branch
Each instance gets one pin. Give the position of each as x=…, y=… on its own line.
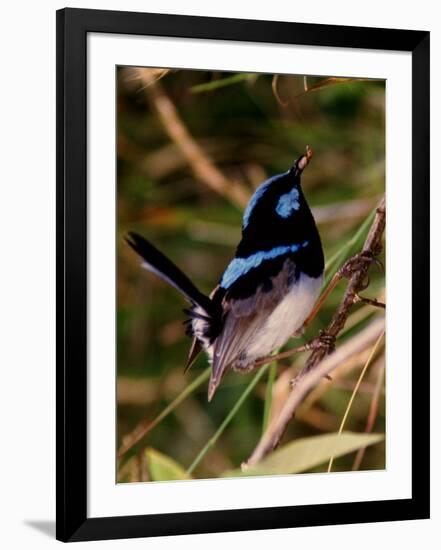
x=202, y=166
x=308, y=381
x=356, y=269
x=371, y=248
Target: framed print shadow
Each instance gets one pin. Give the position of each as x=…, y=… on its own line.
x=242, y=274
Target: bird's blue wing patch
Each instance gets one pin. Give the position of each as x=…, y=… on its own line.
x=241, y=266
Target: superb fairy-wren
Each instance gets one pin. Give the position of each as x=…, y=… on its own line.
x=267, y=290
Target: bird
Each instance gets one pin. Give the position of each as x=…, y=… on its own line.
x=268, y=289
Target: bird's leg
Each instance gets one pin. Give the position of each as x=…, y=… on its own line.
x=281, y=355
x=323, y=340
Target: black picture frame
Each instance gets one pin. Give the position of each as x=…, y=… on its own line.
x=73, y=25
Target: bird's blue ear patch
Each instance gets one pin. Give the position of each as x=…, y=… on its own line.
x=288, y=203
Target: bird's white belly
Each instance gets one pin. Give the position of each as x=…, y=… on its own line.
x=287, y=317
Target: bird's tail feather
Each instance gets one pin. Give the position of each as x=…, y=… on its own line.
x=155, y=261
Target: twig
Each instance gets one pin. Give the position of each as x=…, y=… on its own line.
x=326, y=82
x=371, y=248
x=370, y=301
x=307, y=382
x=202, y=166
x=269, y=396
x=276, y=92
x=355, y=391
x=305, y=83
x=372, y=415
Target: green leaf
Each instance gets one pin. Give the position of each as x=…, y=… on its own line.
x=306, y=453
x=222, y=82
x=164, y=468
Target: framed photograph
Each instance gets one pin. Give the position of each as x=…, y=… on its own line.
x=242, y=274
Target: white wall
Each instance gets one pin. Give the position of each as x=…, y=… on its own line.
x=27, y=289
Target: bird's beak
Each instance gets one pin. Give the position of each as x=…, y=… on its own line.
x=303, y=161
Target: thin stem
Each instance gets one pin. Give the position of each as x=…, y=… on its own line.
x=372, y=415
x=355, y=391
x=305, y=83
x=370, y=301
x=269, y=395
x=274, y=87
x=147, y=425
x=212, y=441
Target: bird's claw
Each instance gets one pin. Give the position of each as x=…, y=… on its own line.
x=357, y=262
x=325, y=341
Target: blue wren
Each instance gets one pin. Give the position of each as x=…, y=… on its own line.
x=267, y=290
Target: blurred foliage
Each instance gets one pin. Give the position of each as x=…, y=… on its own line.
x=251, y=126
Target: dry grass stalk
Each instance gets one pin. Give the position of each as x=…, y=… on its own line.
x=202, y=166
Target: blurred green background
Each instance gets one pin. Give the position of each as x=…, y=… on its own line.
x=247, y=127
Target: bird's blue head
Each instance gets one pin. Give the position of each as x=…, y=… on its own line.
x=280, y=193
x=277, y=224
